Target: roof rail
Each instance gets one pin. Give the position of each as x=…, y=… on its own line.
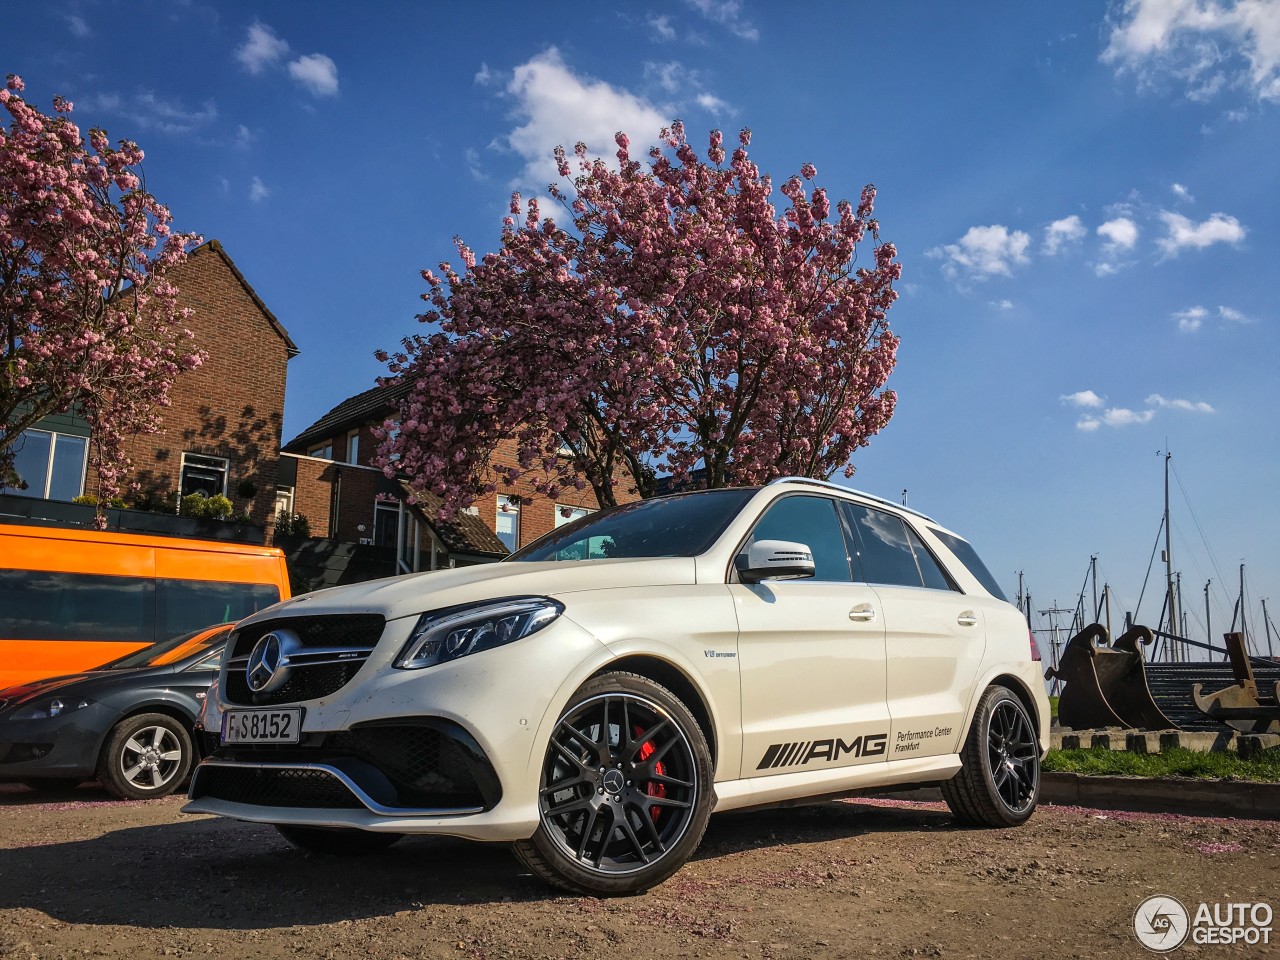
x=862, y=493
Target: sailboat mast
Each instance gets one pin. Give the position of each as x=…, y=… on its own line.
x=1168, y=562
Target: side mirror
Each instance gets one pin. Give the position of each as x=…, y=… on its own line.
x=775, y=560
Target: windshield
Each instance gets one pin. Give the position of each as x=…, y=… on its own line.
x=682, y=525
x=172, y=650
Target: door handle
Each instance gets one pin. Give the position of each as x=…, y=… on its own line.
x=863, y=612
x=967, y=619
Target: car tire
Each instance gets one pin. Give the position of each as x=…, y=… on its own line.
x=337, y=841
x=620, y=814
x=999, y=782
x=145, y=756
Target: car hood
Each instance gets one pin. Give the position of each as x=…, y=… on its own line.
x=417, y=593
x=81, y=684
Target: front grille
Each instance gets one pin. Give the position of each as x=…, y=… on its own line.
x=359, y=631
x=264, y=787
x=431, y=764
x=306, y=683
x=336, y=630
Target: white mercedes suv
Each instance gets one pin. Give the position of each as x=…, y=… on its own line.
x=596, y=696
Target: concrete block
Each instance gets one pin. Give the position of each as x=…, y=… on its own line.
x=1065, y=741
x=1170, y=740
x=1250, y=746
x=1142, y=743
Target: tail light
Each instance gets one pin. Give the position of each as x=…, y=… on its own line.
x=1035, y=650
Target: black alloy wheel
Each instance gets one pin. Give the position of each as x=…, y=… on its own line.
x=999, y=783
x=625, y=790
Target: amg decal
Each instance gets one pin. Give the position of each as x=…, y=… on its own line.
x=798, y=754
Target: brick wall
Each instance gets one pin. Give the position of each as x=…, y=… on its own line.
x=233, y=405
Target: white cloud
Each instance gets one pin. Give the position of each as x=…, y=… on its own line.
x=558, y=107
x=258, y=191
x=728, y=14
x=1183, y=234
x=1082, y=398
x=1233, y=315
x=316, y=72
x=670, y=76
x=1061, y=233
x=1180, y=191
x=244, y=136
x=78, y=26
x=1191, y=319
x=1207, y=45
x=484, y=76
x=261, y=48
x=1002, y=304
x=1198, y=406
x=1126, y=417
x=472, y=157
x=662, y=28
x=148, y=112
x=1120, y=234
x=983, y=252
x=713, y=104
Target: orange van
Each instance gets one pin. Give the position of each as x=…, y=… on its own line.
x=72, y=599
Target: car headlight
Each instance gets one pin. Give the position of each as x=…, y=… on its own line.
x=49, y=708
x=446, y=635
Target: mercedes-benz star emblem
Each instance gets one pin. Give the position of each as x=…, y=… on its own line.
x=268, y=666
x=614, y=781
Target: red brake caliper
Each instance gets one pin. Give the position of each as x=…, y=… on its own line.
x=653, y=789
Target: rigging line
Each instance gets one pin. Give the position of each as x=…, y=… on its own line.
x=1150, y=563
x=1217, y=593
x=1196, y=520
x=1079, y=612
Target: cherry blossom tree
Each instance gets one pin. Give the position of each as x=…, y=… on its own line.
x=89, y=321
x=681, y=325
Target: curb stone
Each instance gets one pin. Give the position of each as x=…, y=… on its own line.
x=1192, y=798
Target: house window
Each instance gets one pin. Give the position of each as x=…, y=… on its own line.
x=202, y=474
x=323, y=452
x=353, y=447
x=50, y=464
x=567, y=514
x=508, y=526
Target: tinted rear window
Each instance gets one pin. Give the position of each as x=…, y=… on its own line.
x=969, y=557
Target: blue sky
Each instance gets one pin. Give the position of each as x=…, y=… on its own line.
x=1084, y=197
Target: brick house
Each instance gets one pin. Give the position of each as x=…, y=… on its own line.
x=344, y=498
x=221, y=433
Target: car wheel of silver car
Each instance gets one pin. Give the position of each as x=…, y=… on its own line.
x=148, y=755
x=625, y=791
x=337, y=841
x=999, y=784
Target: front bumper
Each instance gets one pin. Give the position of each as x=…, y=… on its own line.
x=410, y=775
x=61, y=747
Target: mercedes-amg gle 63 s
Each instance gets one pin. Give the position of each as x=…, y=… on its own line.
x=597, y=695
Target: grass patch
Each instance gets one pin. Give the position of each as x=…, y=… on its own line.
x=1053, y=707
x=1172, y=763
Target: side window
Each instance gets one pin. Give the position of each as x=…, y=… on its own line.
x=811, y=521
x=934, y=576
x=39, y=605
x=212, y=662
x=884, y=551
x=191, y=604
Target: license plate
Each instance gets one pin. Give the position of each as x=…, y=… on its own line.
x=262, y=726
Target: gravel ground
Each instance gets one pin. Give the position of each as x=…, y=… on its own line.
x=87, y=877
